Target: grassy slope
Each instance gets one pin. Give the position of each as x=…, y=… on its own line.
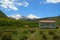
x=35, y=33
x=2, y=15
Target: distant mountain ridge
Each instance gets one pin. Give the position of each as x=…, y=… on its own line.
x=2, y=15
x=52, y=18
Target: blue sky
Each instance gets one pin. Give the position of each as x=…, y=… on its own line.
x=39, y=8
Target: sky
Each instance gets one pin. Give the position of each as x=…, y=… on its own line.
x=35, y=8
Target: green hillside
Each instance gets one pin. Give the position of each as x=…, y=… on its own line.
x=2, y=15
x=11, y=29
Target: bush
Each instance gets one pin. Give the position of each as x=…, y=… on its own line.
x=41, y=32
x=51, y=33
x=25, y=32
x=14, y=33
x=56, y=37
x=32, y=30
x=44, y=37
x=6, y=36
x=0, y=34
x=23, y=38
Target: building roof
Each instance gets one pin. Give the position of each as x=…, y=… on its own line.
x=47, y=21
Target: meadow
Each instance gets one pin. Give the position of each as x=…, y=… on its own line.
x=33, y=34
x=27, y=30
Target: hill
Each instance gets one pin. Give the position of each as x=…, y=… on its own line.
x=27, y=29
x=53, y=18
x=2, y=15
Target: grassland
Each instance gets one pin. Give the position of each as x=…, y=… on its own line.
x=27, y=30
x=34, y=33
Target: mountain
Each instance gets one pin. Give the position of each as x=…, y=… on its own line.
x=18, y=16
x=2, y=15
x=52, y=18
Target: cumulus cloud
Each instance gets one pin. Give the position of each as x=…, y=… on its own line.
x=18, y=16
x=50, y=1
x=23, y=4
x=12, y=4
x=31, y=16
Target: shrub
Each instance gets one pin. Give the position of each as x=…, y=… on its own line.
x=32, y=30
x=41, y=32
x=51, y=33
x=6, y=36
x=44, y=37
x=14, y=33
x=23, y=38
x=25, y=32
x=56, y=37
x=0, y=34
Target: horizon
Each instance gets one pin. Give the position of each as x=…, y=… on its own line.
x=36, y=8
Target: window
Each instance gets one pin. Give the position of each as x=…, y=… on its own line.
x=47, y=24
x=52, y=24
x=42, y=24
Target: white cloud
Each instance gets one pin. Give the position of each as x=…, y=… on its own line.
x=23, y=4
x=31, y=16
x=52, y=1
x=16, y=16
x=12, y=4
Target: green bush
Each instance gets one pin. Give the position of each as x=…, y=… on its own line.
x=25, y=32
x=23, y=38
x=6, y=36
x=41, y=32
x=56, y=37
x=44, y=37
x=31, y=30
x=51, y=33
x=0, y=34
x=6, y=22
